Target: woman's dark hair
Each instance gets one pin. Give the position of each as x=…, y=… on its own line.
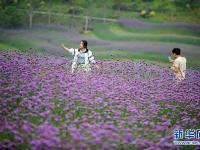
x=84, y=45
x=176, y=51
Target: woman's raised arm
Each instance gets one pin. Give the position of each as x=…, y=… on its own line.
x=70, y=50
x=65, y=48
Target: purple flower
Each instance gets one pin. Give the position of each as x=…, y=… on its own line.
x=124, y=104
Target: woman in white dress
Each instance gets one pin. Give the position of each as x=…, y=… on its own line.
x=83, y=57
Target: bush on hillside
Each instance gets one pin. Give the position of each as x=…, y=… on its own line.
x=148, y=13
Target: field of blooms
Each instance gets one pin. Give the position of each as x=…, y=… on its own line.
x=124, y=105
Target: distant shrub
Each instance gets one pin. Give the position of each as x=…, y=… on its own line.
x=143, y=13
x=148, y=13
x=152, y=13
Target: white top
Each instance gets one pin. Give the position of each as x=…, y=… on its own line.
x=81, y=58
x=180, y=63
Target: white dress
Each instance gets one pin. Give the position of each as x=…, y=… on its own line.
x=82, y=60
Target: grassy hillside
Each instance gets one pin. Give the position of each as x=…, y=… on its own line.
x=119, y=33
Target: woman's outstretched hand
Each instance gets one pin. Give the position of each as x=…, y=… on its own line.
x=63, y=46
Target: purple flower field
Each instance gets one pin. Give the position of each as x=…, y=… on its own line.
x=124, y=105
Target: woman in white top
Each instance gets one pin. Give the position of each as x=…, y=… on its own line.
x=83, y=57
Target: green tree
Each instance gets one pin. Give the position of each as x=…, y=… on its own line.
x=9, y=15
x=190, y=4
x=5, y=3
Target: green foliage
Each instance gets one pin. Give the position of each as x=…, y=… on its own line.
x=35, y=120
x=6, y=135
x=190, y=4
x=5, y=3
x=10, y=17
x=32, y=4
